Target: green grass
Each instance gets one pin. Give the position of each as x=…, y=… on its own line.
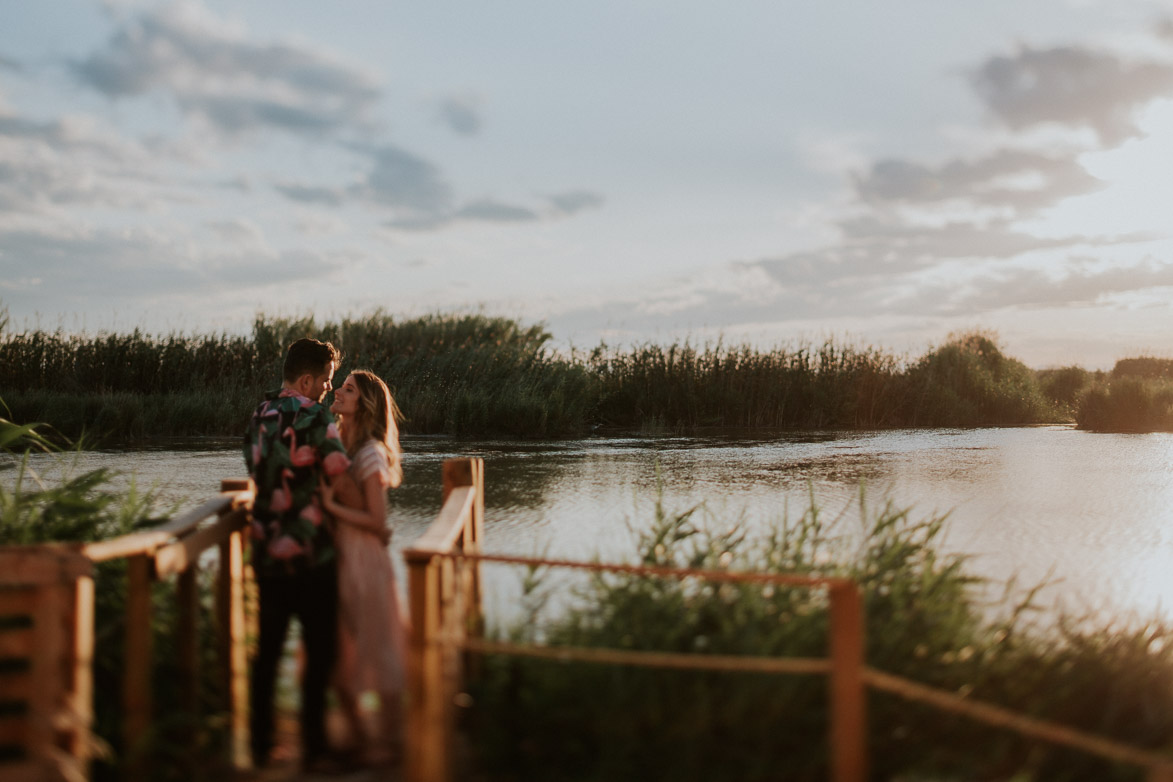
x=926, y=619
x=475, y=375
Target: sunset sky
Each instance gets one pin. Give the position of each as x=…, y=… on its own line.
x=880, y=172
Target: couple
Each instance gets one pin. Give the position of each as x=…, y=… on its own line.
x=319, y=541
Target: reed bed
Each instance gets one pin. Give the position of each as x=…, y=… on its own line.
x=926, y=619
x=471, y=374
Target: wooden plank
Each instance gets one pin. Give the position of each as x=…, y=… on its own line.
x=16, y=686
x=231, y=642
x=80, y=690
x=684, y=661
x=848, y=694
x=136, y=684
x=442, y=534
x=19, y=642
x=14, y=731
x=148, y=540
x=175, y=557
x=50, y=563
x=17, y=601
x=999, y=716
x=45, y=671
x=29, y=771
x=427, y=756
x=456, y=473
x=187, y=599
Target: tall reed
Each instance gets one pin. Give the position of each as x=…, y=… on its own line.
x=471, y=374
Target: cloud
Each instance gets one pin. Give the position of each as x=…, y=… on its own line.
x=72, y=162
x=312, y=195
x=78, y=265
x=495, y=211
x=1071, y=85
x=1030, y=288
x=1022, y=180
x=7, y=64
x=461, y=113
x=213, y=71
x=575, y=201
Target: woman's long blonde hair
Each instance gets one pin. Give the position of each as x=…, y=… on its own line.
x=376, y=417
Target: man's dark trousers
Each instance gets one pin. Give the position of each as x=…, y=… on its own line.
x=312, y=597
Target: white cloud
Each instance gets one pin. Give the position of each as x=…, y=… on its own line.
x=211, y=69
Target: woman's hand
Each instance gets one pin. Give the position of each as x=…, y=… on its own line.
x=326, y=492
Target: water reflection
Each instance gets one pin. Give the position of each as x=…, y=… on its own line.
x=1091, y=512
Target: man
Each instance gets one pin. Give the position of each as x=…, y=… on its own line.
x=290, y=444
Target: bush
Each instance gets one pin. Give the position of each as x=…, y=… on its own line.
x=926, y=620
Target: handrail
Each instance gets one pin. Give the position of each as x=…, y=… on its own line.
x=148, y=540
x=445, y=531
x=1159, y=766
x=54, y=590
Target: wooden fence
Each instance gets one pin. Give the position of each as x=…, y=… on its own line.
x=47, y=638
x=446, y=614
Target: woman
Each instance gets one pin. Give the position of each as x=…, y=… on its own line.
x=372, y=653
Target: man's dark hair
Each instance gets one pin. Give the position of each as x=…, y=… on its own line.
x=309, y=357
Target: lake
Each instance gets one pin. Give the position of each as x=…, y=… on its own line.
x=1089, y=513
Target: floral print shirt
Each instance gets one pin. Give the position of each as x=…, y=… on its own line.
x=290, y=444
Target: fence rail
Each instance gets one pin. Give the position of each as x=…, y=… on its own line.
x=47, y=638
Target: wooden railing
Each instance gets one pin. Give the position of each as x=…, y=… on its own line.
x=445, y=596
x=444, y=572
x=47, y=638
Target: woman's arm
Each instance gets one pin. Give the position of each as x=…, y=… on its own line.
x=372, y=518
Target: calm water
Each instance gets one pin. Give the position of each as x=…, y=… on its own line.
x=1091, y=513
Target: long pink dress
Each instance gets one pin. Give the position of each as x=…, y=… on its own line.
x=372, y=631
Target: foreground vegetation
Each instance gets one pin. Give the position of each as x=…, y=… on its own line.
x=926, y=620
x=85, y=507
x=484, y=376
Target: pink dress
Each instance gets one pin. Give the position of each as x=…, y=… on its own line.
x=372, y=632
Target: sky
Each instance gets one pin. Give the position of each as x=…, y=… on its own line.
x=757, y=172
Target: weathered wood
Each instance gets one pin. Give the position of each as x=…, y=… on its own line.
x=848, y=696
x=175, y=557
x=136, y=683
x=232, y=641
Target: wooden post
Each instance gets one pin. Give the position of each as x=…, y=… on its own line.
x=231, y=641
x=136, y=686
x=187, y=599
x=81, y=673
x=848, y=697
x=427, y=750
